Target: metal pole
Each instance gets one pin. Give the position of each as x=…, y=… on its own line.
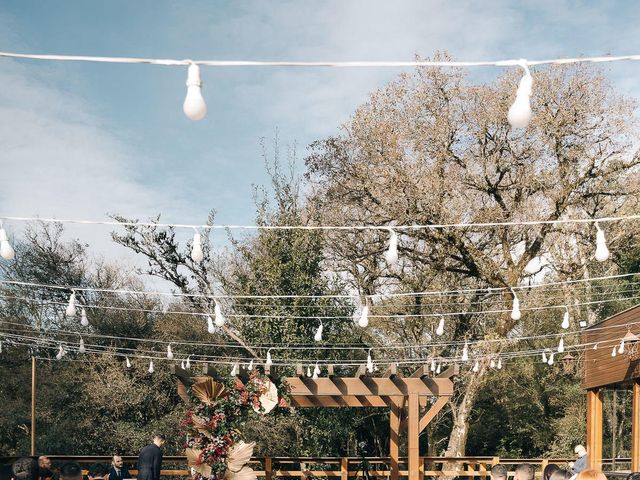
x=33, y=406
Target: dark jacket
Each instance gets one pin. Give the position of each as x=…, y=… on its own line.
x=149, y=463
x=124, y=473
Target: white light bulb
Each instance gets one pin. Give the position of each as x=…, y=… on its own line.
x=476, y=367
x=210, y=326
x=71, y=307
x=0, y=347
x=561, y=345
x=499, y=364
x=197, y=254
x=614, y=352
x=391, y=255
x=250, y=367
x=84, y=321
x=182, y=365
x=433, y=365
x=544, y=357
x=492, y=364
x=515, y=309
x=621, y=347
x=128, y=362
x=151, y=369
x=440, y=329
x=520, y=114
x=234, y=370
x=269, y=361
x=465, y=352
x=364, y=317
x=316, y=370
x=309, y=372
x=369, y=362
x=318, y=336
x=188, y=364
x=60, y=353
x=602, y=252
x=169, y=353
x=219, y=321
x=551, y=358
x=6, y=250
x=438, y=369
x=194, y=106
x=565, y=319
x=595, y=347
x=81, y=348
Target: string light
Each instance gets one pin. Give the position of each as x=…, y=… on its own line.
x=6, y=250
x=309, y=371
x=440, y=329
x=169, y=352
x=544, y=357
x=369, y=362
x=234, y=370
x=614, y=351
x=499, y=364
x=515, y=309
x=316, y=371
x=565, y=319
x=492, y=363
x=128, y=363
x=250, y=366
x=561, y=345
x=364, y=316
x=151, y=369
x=476, y=367
x=84, y=321
x=269, y=361
x=220, y=320
x=210, y=326
x=391, y=255
x=197, y=255
x=551, y=358
x=433, y=365
x=182, y=365
x=602, y=252
x=194, y=105
x=70, y=312
x=318, y=336
x=188, y=363
x=519, y=114
x=438, y=369
x=621, y=348
x=81, y=347
x=60, y=353
x=465, y=352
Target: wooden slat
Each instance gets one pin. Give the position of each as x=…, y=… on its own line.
x=394, y=439
x=635, y=428
x=369, y=386
x=338, y=401
x=422, y=371
x=594, y=429
x=450, y=371
x=414, y=432
x=433, y=411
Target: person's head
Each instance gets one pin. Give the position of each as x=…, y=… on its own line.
x=44, y=462
x=70, y=471
x=561, y=474
x=25, y=469
x=590, y=474
x=580, y=451
x=524, y=471
x=548, y=471
x=117, y=461
x=498, y=472
x=97, y=472
x=159, y=439
x=634, y=476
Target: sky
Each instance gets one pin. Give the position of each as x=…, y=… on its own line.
x=85, y=140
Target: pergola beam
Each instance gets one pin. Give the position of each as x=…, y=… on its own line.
x=370, y=386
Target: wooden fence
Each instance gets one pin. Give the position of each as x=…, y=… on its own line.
x=346, y=467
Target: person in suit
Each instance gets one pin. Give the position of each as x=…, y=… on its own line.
x=118, y=471
x=150, y=459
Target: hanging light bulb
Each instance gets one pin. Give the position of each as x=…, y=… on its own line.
x=440, y=329
x=515, y=309
x=391, y=255
x=218, y=314
x=81, y=348
x=309, y=371
x=602, y=252
x=269, y=361
x=492, y=364
x=621, y=347
x=565, y=318
x=316, y=370
x=182, y=365
x=234, y=370
x=544, y=357
x=499, y=364
x=465, y=352
x=60, y=353
x=476, y=367
x=196, y=249
x=6, y=250
x=0, y=347
x=151, y=369
x=561, y=345
x=128, y=362
x=194, y=106
x=250, y=367
x=70, y=312
x=364, y=316
x=188, y=364
x=595, y=347
x=169, y=352
x=318, y=336
x=210, y=326
x=551, y=358
x=519, y=114
x=438, y=369
x=369, y=362
x=84, y=321
x=614, y=352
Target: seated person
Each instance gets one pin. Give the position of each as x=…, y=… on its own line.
x=71, y=471
x=44, y=468
x=25, y=469
x=499, y=472
x=98, y=472
x=118, y=471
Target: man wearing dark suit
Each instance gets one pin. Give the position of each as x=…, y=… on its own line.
x=150, y=459
x=118, y=471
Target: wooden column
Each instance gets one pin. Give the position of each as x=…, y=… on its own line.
x=33, y=406
x=414, y=432
x=394, y=439
x=594, y=429
x=635, y=428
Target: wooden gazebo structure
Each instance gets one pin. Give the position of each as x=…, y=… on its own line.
x=389, y=390
x=603, y=369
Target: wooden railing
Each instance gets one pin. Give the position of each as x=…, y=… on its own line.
x=343, y=467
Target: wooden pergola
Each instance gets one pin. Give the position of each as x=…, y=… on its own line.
x=390, y=390
x=622, y=371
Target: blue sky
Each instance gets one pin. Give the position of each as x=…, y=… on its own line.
x=82, y=140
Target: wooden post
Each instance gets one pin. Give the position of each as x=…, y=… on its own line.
x=635, y=428
x=614, y=428
x=414, y=432
x=33, y=406
x=344, y=468
x=594, y=429
x=394, y=440
x=268, y=468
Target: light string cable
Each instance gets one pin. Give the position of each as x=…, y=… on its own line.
x=344, y=295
